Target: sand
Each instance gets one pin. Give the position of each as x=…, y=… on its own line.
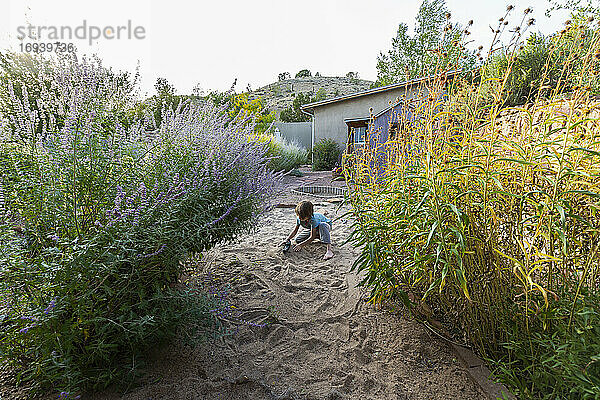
x=321, y=339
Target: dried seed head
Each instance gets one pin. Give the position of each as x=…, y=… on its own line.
x=568, y=22
x=501, y=19
x=480, y=48
x=505, y=22
x=510, y=7
x=528, y=10
x=470, y=22
x=531, y=21
x=590, y=20
x=448, y=15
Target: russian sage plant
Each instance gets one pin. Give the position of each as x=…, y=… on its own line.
x=98, y=217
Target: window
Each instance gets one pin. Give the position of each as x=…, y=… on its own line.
x=393, y=132
x=359, y=134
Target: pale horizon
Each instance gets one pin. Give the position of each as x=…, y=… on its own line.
x=211, y=44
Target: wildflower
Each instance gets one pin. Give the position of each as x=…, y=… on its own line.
x=50, y=306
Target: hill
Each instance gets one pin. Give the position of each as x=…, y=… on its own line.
x=278, y=96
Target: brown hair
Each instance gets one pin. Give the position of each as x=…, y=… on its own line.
x=304, y=209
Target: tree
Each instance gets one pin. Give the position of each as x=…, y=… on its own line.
x=241, y=106
x=576, y=6
x=293, y=112
x=164, y=99
x=352, y=75
x=164, y=88
x=435, y=46
x=283, y=76
x=303, y=73
x=197, y=90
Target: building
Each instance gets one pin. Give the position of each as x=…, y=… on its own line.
x=345, y=119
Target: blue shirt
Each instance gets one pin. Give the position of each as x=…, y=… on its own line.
x=314, y=221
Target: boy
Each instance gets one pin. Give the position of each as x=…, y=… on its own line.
x=318, y=227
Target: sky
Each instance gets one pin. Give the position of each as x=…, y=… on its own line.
x=210, y=43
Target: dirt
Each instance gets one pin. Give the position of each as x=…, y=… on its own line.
x=321, y=340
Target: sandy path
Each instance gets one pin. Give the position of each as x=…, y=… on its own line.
x=322, y=340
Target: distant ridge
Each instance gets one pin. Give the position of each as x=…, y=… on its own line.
x=277, y=96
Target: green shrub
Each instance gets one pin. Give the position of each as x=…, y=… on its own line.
x=537, y=70
x=96, y=223
x=535, y=62
x=326, y=153
x=284, y=155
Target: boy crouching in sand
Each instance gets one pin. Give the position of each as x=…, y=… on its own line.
x=318, y=227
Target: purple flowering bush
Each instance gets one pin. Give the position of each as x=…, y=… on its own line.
x=97, y=218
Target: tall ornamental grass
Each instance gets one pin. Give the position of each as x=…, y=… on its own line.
x=97, y=220
x=283, y=155
x=485, y=217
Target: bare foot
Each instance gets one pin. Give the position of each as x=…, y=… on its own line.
x=328, y=255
